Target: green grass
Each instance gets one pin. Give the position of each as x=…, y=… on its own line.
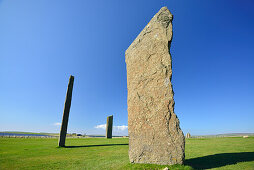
x=100, y=153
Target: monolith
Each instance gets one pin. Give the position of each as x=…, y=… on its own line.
x=67, y=106
x=109, y=126
x=155, y=136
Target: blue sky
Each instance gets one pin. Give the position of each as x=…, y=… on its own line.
x=43, y=42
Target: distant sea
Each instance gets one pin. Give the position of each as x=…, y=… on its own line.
x=19, y=134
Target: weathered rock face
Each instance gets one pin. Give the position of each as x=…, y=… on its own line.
x=154, y=133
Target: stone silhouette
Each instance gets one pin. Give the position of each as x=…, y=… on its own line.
x=66, y=112
x=109, y=126
x=188, y=135
x=155, y=136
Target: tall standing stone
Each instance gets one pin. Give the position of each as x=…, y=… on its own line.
x=154, y=133
x=67, y=106
x=188, y=135
x=109, y=126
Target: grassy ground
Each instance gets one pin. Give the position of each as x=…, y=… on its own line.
x=100, y=153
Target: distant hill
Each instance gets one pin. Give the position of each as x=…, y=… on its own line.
x=30, y=133
x=69, y=134
x=226, y=135
x=236, y=134
x=17, y=133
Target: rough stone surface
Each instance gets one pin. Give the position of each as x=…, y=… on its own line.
x=154, y=133
x=67, y=106
x=109, y=126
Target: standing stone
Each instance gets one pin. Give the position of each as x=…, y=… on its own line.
x=155, y=136
x=109, y=126
x=188, y=135
x=67, y=106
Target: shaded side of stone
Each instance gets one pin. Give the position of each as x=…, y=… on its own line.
x=67, y=106
x=109, y=127
x=155, y=136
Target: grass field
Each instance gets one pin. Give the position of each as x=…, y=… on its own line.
x=100, y=153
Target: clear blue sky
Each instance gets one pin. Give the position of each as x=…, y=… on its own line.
x=42, y=42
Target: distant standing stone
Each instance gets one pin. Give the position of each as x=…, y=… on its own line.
x=66, y=112
x=109, y=126
x=188, y=135
x=155, y=136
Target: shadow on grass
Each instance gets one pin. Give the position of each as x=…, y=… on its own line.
x=219, y=160
x=96, y=145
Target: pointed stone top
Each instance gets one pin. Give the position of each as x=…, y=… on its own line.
x=164, y=16
x=161, y=21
